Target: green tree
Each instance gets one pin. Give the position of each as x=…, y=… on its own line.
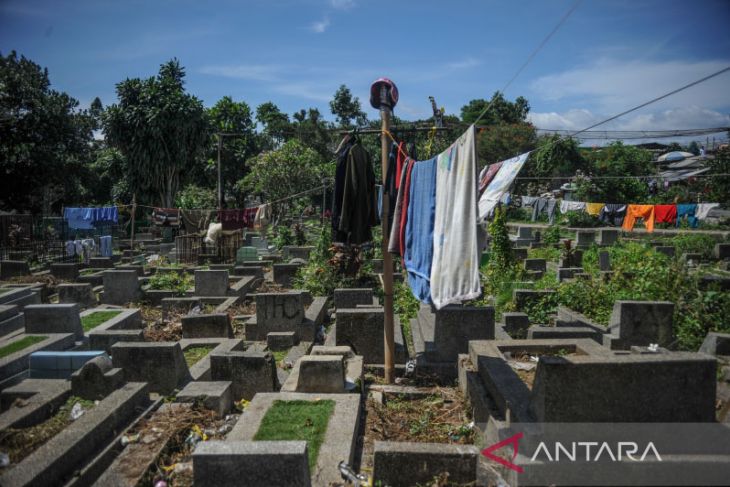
x=554, y=157
x=504, y=141
x=45, y=140
x=291, y=169
x=194, y=197
x=313, y=131
x=347, y=108
x=160, y=129
x=616, y=161
x=241, y=142
x=694, y=148
x=500, y=111
x=275, y=124
x=718, y=187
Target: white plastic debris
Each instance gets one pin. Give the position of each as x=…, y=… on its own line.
x=77, y=411
x=522, y=365
x=4, y=459
x=126, y=439
x=653, y=347
x=410, y=367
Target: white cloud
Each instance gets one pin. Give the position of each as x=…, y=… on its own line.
x=256, y=72
x=611, y=86
x=469, y=62
x=320, y=26
x=342, y=4
x=308, y=91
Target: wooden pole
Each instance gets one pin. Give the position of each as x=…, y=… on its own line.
x=387, y=258
x=220, y=176
x=134, y=211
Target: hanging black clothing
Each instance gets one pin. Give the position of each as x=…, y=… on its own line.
x=392, y=179
x=340, y=170
x=359, y=201
x=613, y=214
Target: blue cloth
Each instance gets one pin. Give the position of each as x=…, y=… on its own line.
x=419, y=229
x=105, y=246
x=379, y=190
x=687, y=210
x=106, y=214
x=79, y=218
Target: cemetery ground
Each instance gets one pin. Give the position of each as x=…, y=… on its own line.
x=267, y=368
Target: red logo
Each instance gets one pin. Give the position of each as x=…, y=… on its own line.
x=512, y=440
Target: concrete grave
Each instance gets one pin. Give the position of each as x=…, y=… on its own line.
x=57, y=364
x=350, y=298
x=80, y=293
x=160, y=364
x=536, y=265
x=65, y=271
x=404, y=464
x=281, y=340
x=20, y=297
x=121, y=287
x=244, y=270
x=604, y=261
x=321, y=373
x=362, y=330
x=215, y=395
x=207, y=326
x=11, y=319
x=284, y=274
x=53, y=318
x=607, y=236
x=297, y=252
x=211, y=283
x=13, y=268
x=721, y=251
x=519, y=253
x=249, y=372
x=19, y=361
x=584, y=238
x=126, y=326
x=260, y=463
x=96, y=379
x=516, y=324
x=668, y=250
x=101, y=262
x=716, y=344
x=568, y=272
x=640, y=323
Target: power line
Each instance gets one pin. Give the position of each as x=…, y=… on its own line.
x=638, y=134
x=651, y=176
x=531, y=56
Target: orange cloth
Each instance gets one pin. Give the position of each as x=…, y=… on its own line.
x=639, y=211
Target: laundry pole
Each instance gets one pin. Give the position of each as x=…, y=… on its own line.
x=385, y=112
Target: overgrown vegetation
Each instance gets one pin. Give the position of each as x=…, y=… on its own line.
x=18, y=345
x=196, y=353
x=179, y=283
x=91, y=321
x=297, y=420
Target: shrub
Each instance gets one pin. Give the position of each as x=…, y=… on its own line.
x=171, y=281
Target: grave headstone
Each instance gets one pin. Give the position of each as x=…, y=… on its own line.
x=668, y=250
x=80, y=293
x=279, y=311
x=362, y=330
x=721, y=251
x=215, y=395
x=246, y=254
x=65, y=271
x=321, y=373
x=207, y=326
x=53, y=318
x=96, y=379
x=13, y=268
x=284, y=273
x=351, y=297
x=244, y=270
x=249, y=372
x=101, y=262
x=585, y=238
x=211, y=283
x=160, y=364
x=281, y=340
x=607, y=236
x=516, y=323
x=604, y=261
x=404, y=463
x=536, y=265
x=121, y=287
x=519, y=253
x=716, y=344
x=641, y=323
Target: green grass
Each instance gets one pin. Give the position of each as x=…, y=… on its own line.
x=194, y=354
x=279, y=355
x=20, y=344
x=91, y=321
x=297, y=420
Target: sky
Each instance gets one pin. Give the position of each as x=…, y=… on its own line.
x=608, y=56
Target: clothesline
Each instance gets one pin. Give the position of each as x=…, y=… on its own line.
x=652, y=176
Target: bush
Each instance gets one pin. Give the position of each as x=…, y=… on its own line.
x=171, y=281
x=581, y=219
x=693, y=242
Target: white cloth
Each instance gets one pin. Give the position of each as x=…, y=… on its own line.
x=500, y=184
x=455, y=264
x=214, y=230
x=703, y=209
x=70, y=248
x=79, y=247
x=566, y=206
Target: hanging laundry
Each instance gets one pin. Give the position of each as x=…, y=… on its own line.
x=566, y=206
x=106, y=214
x=88, y=245
x=613, y=214
x=546, y=205
x=196, y=221
x=236, y=219
x=166, y=217
x=454, y=274
x=263, y=217
x=404, y=210
x=79, y=247
x=105, y=246
x=703, y=209
x=359, y=210
x=498, y=186
x=394, y=242
x=400, y=160
x=594, y=208
x=633, y=212
x=70, y=248
x=340, y=172
x=665, y=213
x=689, y=211
x=487, y=174
x=419, y=229
x=392, y=182
x=79, y=218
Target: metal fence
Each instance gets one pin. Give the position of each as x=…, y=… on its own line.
x=188, y=247
x=37, y=253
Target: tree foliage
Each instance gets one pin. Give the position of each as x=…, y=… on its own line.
x=45, y=141
x=275, y=124
x=160, y=129
x=621, y=160
x=347, y=109
x=291, y=169
x=500, y=111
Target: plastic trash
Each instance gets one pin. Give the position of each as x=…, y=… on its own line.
x=77, y=411
x=160, y=483
x=410, y=367
x=127, y=439
x=653, y=347
x=4, y=459
x=183, y=468
x=347, y=473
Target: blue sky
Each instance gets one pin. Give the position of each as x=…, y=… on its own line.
x=608, y=56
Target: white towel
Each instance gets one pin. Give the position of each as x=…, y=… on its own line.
x=703, y=209
x=455, y=264
x=500, y=184
x=566, y=206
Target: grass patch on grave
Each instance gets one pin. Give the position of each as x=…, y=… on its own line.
x=171, y=281
x=91, y=321
x=21, y=442
x=86, y=272
x=18, y=345
x=297, y=420
x=196, y=353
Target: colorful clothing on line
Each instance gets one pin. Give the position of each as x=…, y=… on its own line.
x=394, y=242
x=419, y=229
x=106, y=214
x=404, y=211
x=594, y=208
x=166, y=217
x=689, y=211
x=487, y=174
x=634, y=212
x=454, y=274
x=196, y=221
x=665, y=213
x=105, y=246
x=613, y=214
x=79, y=218
x=566, y=206
x=263, y=216
x=703, y=209
x=237, y=219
